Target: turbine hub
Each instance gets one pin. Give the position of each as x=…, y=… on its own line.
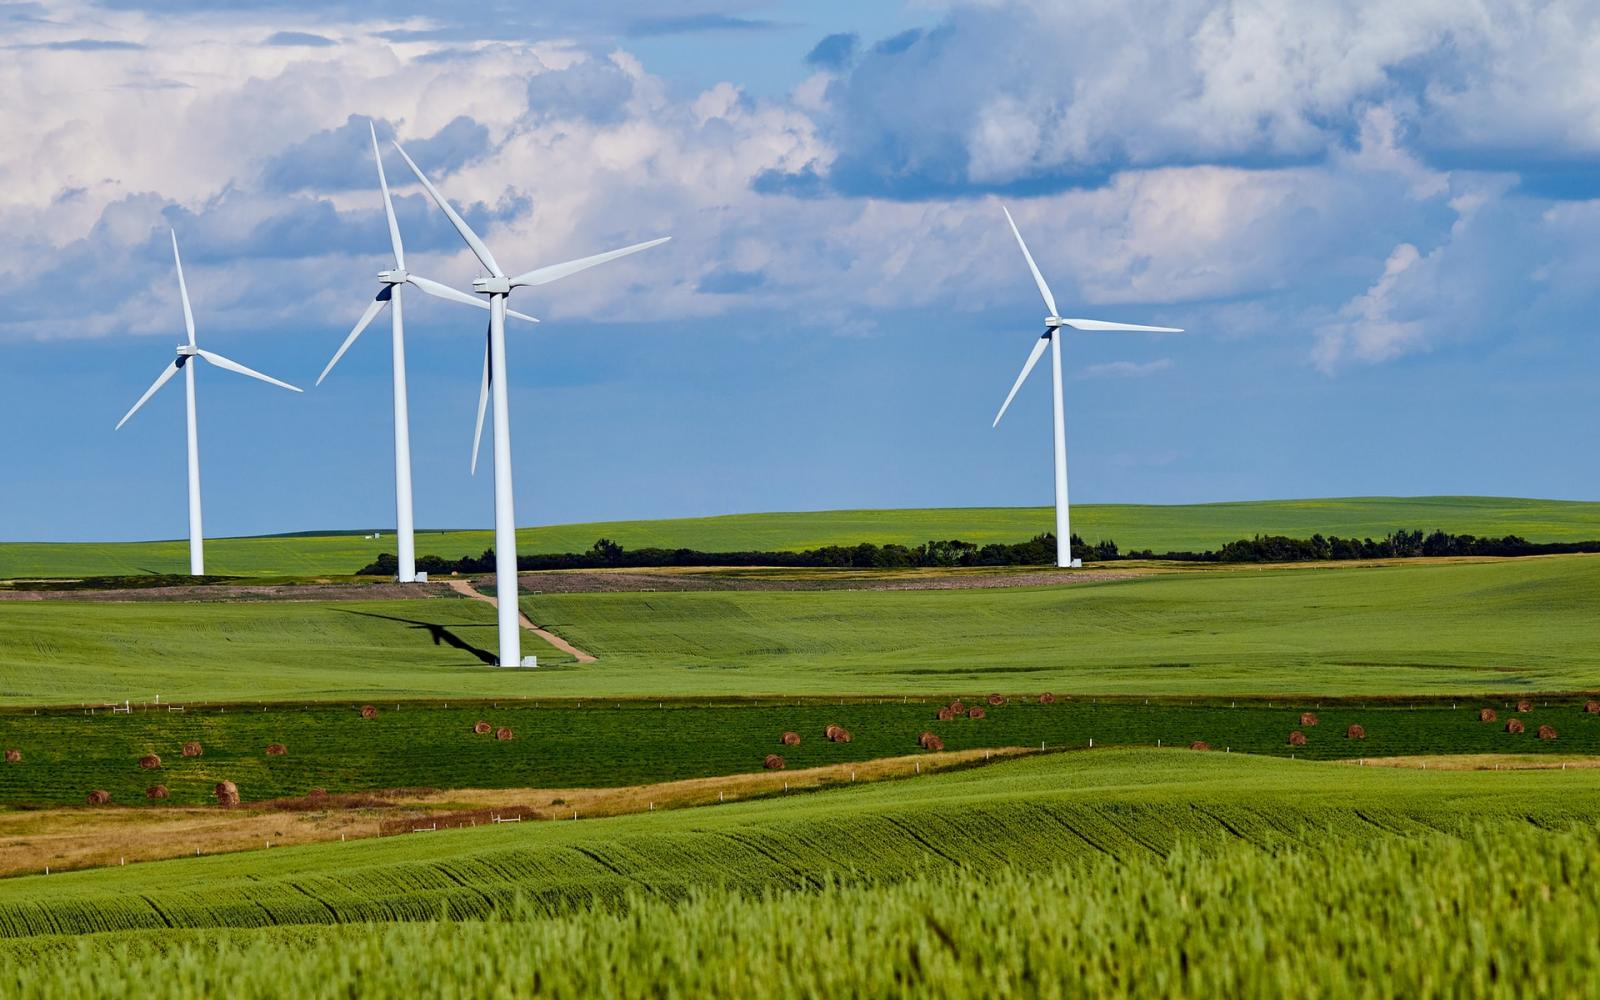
x=492, y=286
x=398, y=276
x=187, y=350
x=1052, y=322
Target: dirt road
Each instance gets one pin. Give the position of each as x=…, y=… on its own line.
x=466, y=589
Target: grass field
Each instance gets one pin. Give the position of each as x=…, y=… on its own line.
x=568, y=745
x=1420, y=916
x=1123, y=804
x=1407, y=628
x=1133, y=526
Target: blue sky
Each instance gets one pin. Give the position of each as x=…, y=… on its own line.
x=1376, y=221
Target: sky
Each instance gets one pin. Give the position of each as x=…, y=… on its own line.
x=1378, y=224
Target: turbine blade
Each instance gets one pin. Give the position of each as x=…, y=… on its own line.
x=388, y=203
x=183, y=290
x=161, y=380
x=443, y=291
x=555, y=272
x=478, y=249
x=1033, y=359
x=1044, y=289
x=361, y=324
x=483, y=404
x=234, y=366
x=1100, y=324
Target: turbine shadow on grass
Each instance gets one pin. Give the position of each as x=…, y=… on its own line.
x=439, y=634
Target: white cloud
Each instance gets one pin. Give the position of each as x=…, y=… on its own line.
x=1128, y=369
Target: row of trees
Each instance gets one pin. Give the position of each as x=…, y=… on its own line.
x=1037, y=551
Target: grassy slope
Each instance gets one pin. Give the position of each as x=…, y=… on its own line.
x=1445, y=628
x=1133, y=526
x=65, y=754
x=1128, y=804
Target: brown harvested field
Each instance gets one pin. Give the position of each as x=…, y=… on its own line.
x=1481, y=762
x=589, y=581
x=91, y=837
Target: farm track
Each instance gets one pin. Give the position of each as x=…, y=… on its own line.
x=466, y=589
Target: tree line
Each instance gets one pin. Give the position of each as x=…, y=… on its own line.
x=1040, y=550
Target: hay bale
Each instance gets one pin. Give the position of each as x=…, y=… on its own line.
x=227, y=794
x=790, y=739
x=1486, y=715
x=503, y=733
x=956, y=707
x=149, y=762
x=945, y=714
x=934, y=744
x=1047, y=699
x=1355, y=732
x=1592, y=707
x=98, y=797
x=926, y=738
x=975, y=712
x=369, y=711
x=996, y=700
x=13, y=756
x=482, y=727
x=276, y=749
x=773, y=762
x=316, y=793
x=1524, y=706
x=1199, y=745
x=1547, y=732
x=1515, y=726
x=1308, y=718
x=156, y=792
x=1297, y=739
x=839, y=734
x=192, y=749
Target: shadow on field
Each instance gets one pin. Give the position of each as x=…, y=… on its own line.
x=439, y=634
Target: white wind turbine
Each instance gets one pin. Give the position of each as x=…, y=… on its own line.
x=1052, y=339
x=497, y=286
x=390, y=294
x=186, y=352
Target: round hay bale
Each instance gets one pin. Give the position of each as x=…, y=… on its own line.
x=192, y=749
x=945, y=714
x=774, y=762
x=1592, y=707
x=840, y=734
x=276, y=749
x=1047, y=699
x=1547, y=732
x=149, y=762
x=996, y=700
x=227, y=794
x=1308, y=718
x=482, y=728
x=13, y=756
x=975, y=712
x=1524, y=706
x=1355, y=732
x=956, y=707
x=832, y=731
x=1515, y=726
x=503, y=733
x=925, y=738
x=790, y=739
x=934, y=744
x=1486, y=715
x=98, y=797
x=1199, y=745
x=1297, y=739
x=369, y=711
x=156, y=792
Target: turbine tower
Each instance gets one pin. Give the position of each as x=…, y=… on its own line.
x=389, y=294
x=497, y=286
x=1052, y=338
x=187, y=352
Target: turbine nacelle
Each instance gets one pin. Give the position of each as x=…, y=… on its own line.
x=492, y=285
x=187, y=351
x=395, y=276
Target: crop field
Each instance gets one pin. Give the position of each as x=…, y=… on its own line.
x=1133, y=526
x=1416, y=916
x=1124, y=804
x=605, y=744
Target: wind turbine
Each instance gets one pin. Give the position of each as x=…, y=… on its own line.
x=497, y=286
x=187, y=352
x=1052, y=338
x=389, y=294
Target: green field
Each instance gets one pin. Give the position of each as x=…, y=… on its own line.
x=1124, y=804
x=1420, y=627
x=588, y=744
x=1420, y=916
x=1132, y=526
